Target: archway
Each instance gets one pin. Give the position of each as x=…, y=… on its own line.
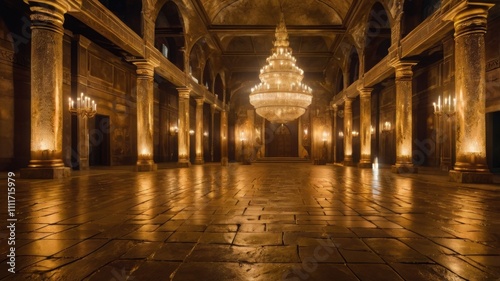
x=378, y=36
x=169, y=34
x=282, y=139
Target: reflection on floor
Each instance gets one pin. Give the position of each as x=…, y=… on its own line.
x=263, y=221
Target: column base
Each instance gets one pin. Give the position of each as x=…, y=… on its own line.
x=46, y=173
x=184, y=164
x=146, y=167
x=224, y=161
x=199, y=162
x=83, y=165
x=349, y=163
x=365, y=165
x=404, y=169
x=471, y=177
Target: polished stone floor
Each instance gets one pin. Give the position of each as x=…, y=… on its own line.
x=254, y=222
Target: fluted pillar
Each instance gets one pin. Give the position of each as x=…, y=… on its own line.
x=183, y=137
x=47, y=106
x=199, y=132
x=348, y=132
x=470, y=81
x=145, y=117
x=403, y=130
x=365, y=131
x=224, y=138
x=334, y=133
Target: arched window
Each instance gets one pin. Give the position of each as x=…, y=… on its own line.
x=378, y=36
x=169, y=34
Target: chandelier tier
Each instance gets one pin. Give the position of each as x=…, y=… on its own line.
x=281, y=96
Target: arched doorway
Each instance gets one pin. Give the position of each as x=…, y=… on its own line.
x=282, y=140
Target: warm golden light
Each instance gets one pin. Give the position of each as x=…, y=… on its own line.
x=387, y=126
x=281, y=96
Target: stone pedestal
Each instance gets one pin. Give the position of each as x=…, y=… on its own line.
x=404, y=169
x=365, y=131
x=46, y=91
x=183, y=137
x=470, y=87
x=145, y=117
x=348, y=132
x=199, y=132
x=45, y=173
x=471, y=177
x=403, y=130
x=146, y=166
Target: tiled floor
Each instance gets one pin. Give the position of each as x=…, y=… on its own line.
x=256, y=222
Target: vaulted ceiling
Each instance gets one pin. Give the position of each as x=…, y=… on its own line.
x=244, y=30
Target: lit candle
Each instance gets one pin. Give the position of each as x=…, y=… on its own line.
x=434, y=104
x=439, y=103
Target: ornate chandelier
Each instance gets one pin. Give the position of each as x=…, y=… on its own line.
x=281, y=96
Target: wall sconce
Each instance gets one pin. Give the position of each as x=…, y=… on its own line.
x=191, y=132
x=387, y=127
x=372, y=130
x=174, y=130
x=341, y=134
x=305, y=132
x=242, y=136
x=448, y=108
x=325, y=136
x=205, y=134
x=355, y=134
x=85, y=106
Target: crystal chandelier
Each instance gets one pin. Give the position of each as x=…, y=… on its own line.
x=281, y=96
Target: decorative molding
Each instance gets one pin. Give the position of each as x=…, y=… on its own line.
x=492, y=64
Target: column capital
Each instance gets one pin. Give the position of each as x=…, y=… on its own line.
x=145, y=67
x=403, y=68
x=48, y=14
x=200, y=101
x=348, y=100
x=471, y=18
x=184, y=92
x=365, y=92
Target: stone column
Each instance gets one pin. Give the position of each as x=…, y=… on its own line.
x=145, y=117
x=348, y=132
x=470, y=80
x=183, y=136
x=199, y=131
x=46, y=91
x=224, y=138
x=403, y=130
x=334, y=134
x=365, y=130
x=212, y=131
